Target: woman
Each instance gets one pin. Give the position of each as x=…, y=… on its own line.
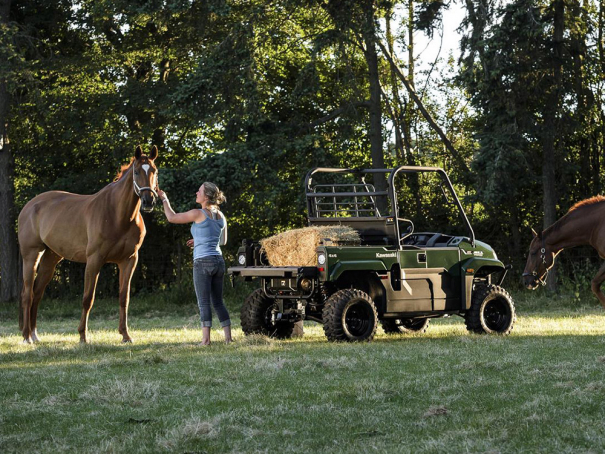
x=209, y=231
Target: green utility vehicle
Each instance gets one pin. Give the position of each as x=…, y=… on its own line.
x=397, y=276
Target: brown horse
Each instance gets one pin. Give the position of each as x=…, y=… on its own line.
x=92, y=229
x=584, y=224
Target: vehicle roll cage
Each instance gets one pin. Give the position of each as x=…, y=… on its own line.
x=316, y=204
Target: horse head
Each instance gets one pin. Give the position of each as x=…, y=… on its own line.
x=541, y=258
x=145, y=177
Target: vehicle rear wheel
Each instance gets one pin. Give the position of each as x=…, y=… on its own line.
x=350, y=315
x=492, y=311
x=257, y=317
x=405, y=325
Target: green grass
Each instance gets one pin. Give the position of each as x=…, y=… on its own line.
x=539, y=390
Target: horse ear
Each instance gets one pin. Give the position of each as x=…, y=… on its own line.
x=534, y=232
x=138, y=152
x=154, y=153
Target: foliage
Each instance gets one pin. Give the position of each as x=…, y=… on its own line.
x=251, y=95
x=514, y=70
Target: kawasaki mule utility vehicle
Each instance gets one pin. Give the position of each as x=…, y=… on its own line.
x=397, y=276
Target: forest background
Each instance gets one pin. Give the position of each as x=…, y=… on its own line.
x=252, y=94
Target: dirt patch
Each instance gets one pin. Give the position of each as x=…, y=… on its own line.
x=436, y=411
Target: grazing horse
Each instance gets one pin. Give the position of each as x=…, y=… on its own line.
x=92, y=229
x=584, y=224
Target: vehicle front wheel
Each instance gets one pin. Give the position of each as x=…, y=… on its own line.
x=350, y=315
x=492, y=311
x=257, y=317
x=405, y=325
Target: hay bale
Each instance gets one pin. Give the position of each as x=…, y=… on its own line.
x=297, y=247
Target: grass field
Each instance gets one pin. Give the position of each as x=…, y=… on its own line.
x=542, y=389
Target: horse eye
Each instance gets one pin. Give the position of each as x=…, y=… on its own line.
x=136, y=172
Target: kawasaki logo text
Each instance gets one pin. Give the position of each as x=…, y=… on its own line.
x=382, y=256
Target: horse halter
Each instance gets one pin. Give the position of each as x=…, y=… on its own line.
x=541, y=280
x=138, y=189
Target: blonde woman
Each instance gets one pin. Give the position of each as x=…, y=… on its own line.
x=209, y=232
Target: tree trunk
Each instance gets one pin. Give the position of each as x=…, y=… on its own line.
x=9, y=251
x=578, y=45
x=410, y=112
x=599, y=99
x=601, y=26
x=599, y=132
x=409, y=108
x=395, y=109
x=515, y=232
x=375, y=132
x=550, y=132
x=410, y=43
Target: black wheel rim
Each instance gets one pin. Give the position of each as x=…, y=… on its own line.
x=269, y=317
x=358, y=319
x=496, y=315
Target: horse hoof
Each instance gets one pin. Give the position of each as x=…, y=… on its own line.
x=28, y=341
x=127, y=341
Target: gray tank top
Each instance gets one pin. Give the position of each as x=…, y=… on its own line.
x=207, y=235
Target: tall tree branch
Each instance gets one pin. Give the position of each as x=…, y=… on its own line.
x=338, y=112
x=427, y=116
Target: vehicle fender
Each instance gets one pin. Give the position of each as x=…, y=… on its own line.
x=367, y=281
x=473, y=267
x=365, y=265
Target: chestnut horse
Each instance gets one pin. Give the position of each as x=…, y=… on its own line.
x=584, y=224
x=92, y=229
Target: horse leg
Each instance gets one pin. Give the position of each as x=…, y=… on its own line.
x=91, y=276
x=126, y=270
x=596, y=284
x=46, y=270
x=31, y=257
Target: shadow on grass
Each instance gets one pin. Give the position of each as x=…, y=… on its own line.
x=62, y=350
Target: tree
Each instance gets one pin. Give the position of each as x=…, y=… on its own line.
x=9, y=262
x=531, y=78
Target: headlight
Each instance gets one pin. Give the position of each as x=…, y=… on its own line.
x=321, y=259
x=306, y=284
x=242, y=259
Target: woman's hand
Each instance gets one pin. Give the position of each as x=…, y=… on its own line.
x=190, y=243
x=162, y=195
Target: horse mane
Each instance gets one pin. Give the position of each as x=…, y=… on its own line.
x=123, y=169
x=590, y=201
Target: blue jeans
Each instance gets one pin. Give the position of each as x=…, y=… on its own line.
x=208, y=273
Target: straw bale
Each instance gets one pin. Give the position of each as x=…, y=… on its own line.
x=297, y=247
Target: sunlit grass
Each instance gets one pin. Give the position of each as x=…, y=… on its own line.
x=538, y=390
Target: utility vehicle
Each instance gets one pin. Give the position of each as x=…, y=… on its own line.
x=397, y=276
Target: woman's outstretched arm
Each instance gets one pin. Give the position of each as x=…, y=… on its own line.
x=179, y=218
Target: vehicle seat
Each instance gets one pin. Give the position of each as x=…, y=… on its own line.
x=433, y=240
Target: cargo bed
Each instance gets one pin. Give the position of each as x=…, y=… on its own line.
x=272, y=271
